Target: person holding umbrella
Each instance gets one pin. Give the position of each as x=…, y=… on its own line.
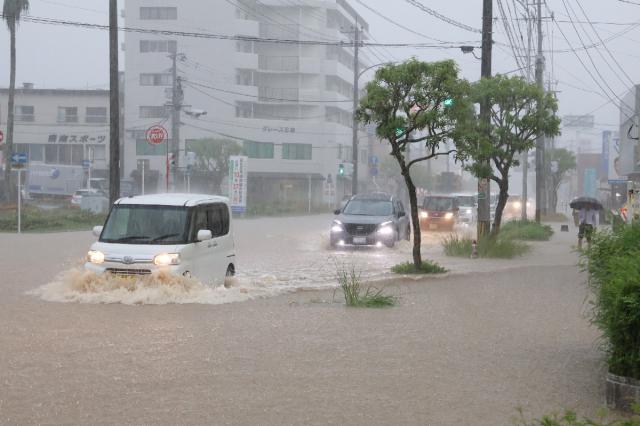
x=587, y=217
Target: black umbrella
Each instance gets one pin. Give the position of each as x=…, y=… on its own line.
x=585, y=203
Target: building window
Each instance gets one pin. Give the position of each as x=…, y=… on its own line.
x=25, y=113
x=245, y=46
x=36, y=152
x=153, y=46
x=258, y=149
x=51, y=154
x=245, y=77
x=97, y=152
x=154, y=111
x=158, y=13
x=296, y=151
x=244, y=109
x=155, y=79
x=96, y=115
x=67, y=114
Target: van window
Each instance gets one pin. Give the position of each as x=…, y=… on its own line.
x=218, y=216
x=143, y=224
x=199, y=222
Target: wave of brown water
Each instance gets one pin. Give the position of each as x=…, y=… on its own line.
x=160, y=288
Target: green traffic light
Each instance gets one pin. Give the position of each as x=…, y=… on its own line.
x=399, y=131
x=341, y=170
x=448, y=102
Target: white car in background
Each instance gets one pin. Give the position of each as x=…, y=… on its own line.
x=76, y=198
x=184, y=234
x=468, y=204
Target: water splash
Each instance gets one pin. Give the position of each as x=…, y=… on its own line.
x=160, y=288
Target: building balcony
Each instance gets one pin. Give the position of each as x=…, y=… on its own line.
x=279, y=63
x=245, y=60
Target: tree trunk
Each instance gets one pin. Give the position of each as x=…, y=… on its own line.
x=502, y=202
x=8, y=150
x=415, y=219
x=553, y=198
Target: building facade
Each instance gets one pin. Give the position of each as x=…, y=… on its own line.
x=59, y=131
x=289, y=105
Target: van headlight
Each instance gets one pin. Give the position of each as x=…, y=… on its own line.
x=386, y=228
x=337, y=227
x=424, y=215
x=167, y=259
x=448, y=216
x=95, y=257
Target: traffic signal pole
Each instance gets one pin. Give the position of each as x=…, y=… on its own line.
x=356, y=95
x=114, y=106
x=540, y=179
x=484, y=187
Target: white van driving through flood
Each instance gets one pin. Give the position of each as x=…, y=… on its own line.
x=185, y=234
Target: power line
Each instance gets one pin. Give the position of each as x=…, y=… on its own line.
x=397, y=24
x=605, y=46
x=50, y=21
x=231, y=92
x=441, y=17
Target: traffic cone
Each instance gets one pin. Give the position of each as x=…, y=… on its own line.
x=474, y=249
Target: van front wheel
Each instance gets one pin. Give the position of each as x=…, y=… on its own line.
x=231, y=272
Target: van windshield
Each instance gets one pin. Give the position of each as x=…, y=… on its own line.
x=467, y=200
x=438, y=204
x=140, y=224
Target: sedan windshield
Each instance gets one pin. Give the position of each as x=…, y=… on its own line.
x=438, y=204
x=369, y=208
x=131, y=224
x=467, y=200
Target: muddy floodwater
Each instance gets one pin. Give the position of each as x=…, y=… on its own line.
x=271, y=348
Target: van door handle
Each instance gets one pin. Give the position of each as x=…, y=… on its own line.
x=212, y=245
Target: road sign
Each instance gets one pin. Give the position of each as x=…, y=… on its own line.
x=482, y=195
x=374, y=160
x=86, y=164
x=19, y=158
x=155, y=135
x=1, y=136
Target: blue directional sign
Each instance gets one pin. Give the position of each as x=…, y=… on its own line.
x=86, y=164
x=19, y=158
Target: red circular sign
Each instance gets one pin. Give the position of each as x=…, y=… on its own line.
x=156, y=135
x=1, y=136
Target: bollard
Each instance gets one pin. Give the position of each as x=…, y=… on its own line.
x=474, y=249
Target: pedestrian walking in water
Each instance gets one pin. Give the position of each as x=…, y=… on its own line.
x=588, y=220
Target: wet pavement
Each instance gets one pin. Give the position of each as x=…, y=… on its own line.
x=468, y=348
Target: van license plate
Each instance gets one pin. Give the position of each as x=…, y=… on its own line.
x=359, y=240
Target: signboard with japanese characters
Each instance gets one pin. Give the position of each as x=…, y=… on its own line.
x=76, y=139
x=279, y=129
x=238, y=179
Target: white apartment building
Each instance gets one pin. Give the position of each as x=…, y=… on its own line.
x=289, y=105
x=58, y=130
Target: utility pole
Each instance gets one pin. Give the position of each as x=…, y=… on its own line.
x=176, y=106
x=114, y=106
x=484, y=187
x=356, y=96
x=540, y=179
x=525, y=154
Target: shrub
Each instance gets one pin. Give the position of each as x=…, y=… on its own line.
x=57, y=219
x=570, y=418
x=356, y=295
x=614, y=279
x=427, y=267
x=525, y=230
x=488, y=247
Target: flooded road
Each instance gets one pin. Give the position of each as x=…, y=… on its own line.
x=467, y=349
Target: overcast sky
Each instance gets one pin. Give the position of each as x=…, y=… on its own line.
x=66, y=57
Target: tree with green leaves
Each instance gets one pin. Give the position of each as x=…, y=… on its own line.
x=11, y=12
x=212, y=158
x=416, y=103
x=520, y=111
x=559, y=163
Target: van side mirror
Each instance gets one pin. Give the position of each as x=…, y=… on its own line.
x=97, y=230
x=337, y=212
x=204, y=235
x=401, y=214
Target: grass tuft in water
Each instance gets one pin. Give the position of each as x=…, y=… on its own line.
x=488, y=247
x=357, y=295
x=525, y=230
x=427, y=267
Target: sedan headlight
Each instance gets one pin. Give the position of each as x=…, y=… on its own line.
x=448, y=216
x=167, y=259
x=95, y=256
x=424, y=215
x=337, y=227
x=469, y=211
x=385, y=228
x=517, y=205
